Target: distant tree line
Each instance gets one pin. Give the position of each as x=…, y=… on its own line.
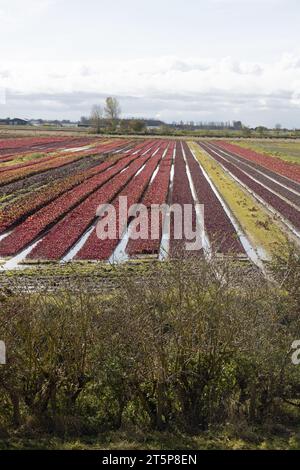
x=191, y=125
x=106, y=118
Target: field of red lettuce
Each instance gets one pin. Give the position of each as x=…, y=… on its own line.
x=50, y=189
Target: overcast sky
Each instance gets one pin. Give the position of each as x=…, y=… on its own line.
x=170, y=59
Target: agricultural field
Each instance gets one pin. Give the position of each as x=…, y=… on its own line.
x=288, y=150
x=51, y=187
x=97, y=324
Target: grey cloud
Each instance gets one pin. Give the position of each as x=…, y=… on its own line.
x=215, y=104
x=185, y=66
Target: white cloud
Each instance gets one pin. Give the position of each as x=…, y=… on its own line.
x=242, y=2
x=171, y=87
x=18, y=13
x=4, y=18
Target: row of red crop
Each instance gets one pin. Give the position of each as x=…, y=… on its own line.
x=21, y=173
x=242, y=162
x=23, y=187
x=182, y=195
x=281, y=206
x=35, y=161
x=158, y=190
x=143, y=145
x=218, y=226
x=275, y=182
x=96, y=249
x=12, y=149
x=28, y=141
x=52, y=162
x=13, y=213
x=101, y=147
x=290, y=170
x=55, y=244
x=34, y=225
x=156, y=193
x=25, y=206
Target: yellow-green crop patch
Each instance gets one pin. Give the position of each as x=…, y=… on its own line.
x=22, y=159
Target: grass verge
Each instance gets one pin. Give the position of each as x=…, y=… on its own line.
x=225, y=439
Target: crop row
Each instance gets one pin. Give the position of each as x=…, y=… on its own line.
x=19, y=190
x=181, y=195
x=53, y=162
x=142, y=146
x=96, y=249
x=22, y=158
x=12, y=214
x=278, y=184
x=26, y=205
x=46, y=156
x=41, y=160
x=39, y=178
x=156, y=193
x=290, y=170
x=55, y=244
x=34, y=225
x=12, y=149
x=281, y=206
x=283, y=180
x=217, y=224
x=21, y=173
x=13, y=144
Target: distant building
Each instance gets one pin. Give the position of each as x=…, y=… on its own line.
x=19, y=122
x=36, y=122
x=4, y=122
x=68, y=123
x=84, y=124
x=14, y=122
x=53, y=123
x=153, y=124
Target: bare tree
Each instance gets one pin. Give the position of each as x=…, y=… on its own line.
x=96, y=118
x=112, y=110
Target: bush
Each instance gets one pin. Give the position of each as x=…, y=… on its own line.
x=187, y=345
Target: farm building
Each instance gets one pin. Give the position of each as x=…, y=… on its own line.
x=14, y=122
x=4, y=122
x=19, y=122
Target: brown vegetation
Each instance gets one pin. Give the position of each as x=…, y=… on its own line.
x=188, y=345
